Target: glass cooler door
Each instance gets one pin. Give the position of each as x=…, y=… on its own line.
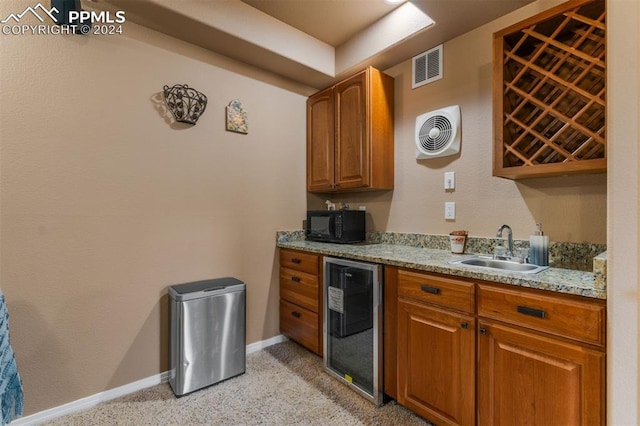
x=353, y=325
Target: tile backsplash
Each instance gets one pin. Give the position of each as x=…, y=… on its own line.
x=578, y=256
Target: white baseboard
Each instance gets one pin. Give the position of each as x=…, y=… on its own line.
x=255, y=347
x=99, y=398
x=91, y=401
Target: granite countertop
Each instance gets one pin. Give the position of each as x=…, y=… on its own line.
x=434, y=260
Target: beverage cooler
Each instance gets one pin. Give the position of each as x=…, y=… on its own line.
x=353, y=325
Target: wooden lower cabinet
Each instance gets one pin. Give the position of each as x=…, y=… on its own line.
x=541, y=357
x=527, y=378
x=436, y=363
x=301, y=298
x=483, y=353
x=461, y=352
x=435, y=340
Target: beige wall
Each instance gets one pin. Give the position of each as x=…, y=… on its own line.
x=105, y=203
x=570, y=208
x=623, y=271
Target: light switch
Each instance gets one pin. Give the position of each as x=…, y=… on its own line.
x=449, y=210
x=449, y=180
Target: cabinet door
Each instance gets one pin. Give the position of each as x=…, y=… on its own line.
x=525, y=378
x=320, y=141
x=352, y=160
x=436, y=363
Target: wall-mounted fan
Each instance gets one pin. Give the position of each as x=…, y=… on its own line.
x=438, y=133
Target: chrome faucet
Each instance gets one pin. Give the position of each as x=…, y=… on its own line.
x=509, y=238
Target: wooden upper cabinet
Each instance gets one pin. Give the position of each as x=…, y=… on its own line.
x=549, y=93
x=350, y=135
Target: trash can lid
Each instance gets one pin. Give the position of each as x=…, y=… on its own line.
x=205, y=288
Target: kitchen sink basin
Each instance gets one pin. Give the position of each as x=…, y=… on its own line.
x=504, y=265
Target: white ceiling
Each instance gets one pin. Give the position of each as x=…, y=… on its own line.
x=330, y=21
x=313, y=42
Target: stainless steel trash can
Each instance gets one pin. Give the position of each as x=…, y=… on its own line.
x=208, y=333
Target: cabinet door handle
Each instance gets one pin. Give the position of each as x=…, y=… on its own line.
x=483, y=331
x=295, y=260
x=295, y=279
x=429, y=289
x=538, y=313
x=464, y=325
x=296, y=314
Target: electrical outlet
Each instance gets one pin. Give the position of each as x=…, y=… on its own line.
x=450, y=180
x=449, y=210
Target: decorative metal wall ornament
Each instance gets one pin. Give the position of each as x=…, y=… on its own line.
x=237, y=117
x=185, y=103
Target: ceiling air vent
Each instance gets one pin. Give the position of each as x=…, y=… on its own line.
x=427, y=67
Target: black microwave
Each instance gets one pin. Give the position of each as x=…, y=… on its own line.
x=336, y=226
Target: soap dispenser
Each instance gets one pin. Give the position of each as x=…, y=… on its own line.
x=539, y=248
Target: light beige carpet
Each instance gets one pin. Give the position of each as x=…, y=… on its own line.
x=284, y=385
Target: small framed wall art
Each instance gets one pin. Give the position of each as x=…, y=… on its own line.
x=237, y=117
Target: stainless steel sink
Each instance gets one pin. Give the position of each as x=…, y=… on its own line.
x=505, y=265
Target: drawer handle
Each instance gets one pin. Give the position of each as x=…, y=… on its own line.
x=296, y=314
x=295, y=279
x=295, y=260
x=429, y=289
x=531, y=312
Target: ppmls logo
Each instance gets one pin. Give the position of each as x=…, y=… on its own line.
x=68, y=21
x=51, y=13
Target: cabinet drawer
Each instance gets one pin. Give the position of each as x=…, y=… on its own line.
x=300, y=325
x=299, y=261
x=446, y=292
x=564, y=317
x=299, y=288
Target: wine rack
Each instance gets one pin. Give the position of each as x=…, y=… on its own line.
x=549, y=93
